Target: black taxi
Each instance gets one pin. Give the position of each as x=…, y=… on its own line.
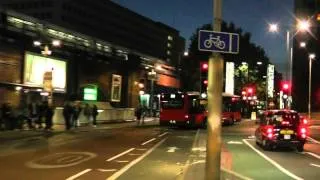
x=281, y=128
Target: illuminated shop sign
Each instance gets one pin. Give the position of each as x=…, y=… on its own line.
x=229, y=87
x=36, y=66
x=90, y=93
x=270, y=80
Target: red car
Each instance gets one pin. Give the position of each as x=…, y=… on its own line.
x=281, y=128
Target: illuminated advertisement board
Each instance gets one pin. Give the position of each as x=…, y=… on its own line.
x=116, y=88
x=36, y=66
x=229, y=87
x=270, y=80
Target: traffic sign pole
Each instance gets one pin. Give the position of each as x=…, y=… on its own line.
x=215, y=85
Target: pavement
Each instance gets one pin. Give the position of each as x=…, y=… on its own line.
x=18, y=134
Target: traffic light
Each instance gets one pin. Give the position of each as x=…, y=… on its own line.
x=285, y=87
x=205, y=82
x=204, y=66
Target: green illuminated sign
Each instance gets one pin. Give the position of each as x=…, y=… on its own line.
x=90, y=93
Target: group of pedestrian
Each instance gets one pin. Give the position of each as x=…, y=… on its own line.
x=71, y=113
x=33, y=114
x=37, y=113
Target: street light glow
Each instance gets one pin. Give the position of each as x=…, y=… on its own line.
x=259, y=62
x=36, y=43
x=303, y=44
x=186, y=53
x=303, y=25
x=273, y=28
x=244, y=63
x=56, y=43
x=312, y=56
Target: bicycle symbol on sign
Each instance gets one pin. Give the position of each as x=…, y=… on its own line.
x=214, y=41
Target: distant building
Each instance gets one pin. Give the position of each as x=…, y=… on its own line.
x=309, y=10
x=118, y=47
x=109, y=21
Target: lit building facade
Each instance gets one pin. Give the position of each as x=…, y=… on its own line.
x=85, y=58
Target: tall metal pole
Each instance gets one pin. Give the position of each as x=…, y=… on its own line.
x=215, y=80
x=309, y=99
x=289, y=66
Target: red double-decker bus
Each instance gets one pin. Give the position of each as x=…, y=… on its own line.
x=231, y=108
x=182, y=109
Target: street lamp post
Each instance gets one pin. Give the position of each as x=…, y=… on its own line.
x=302, y=26
x=311, y=57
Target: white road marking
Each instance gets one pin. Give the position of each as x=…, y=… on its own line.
x=252, y=137
x=148, y=141
x=134, y=154
x=272, y=162
x=132, y=163
x=121, y=154
x=234, y=142
x=172, y=149
x=312, y=154
x=78, y=174
x=313, y=140
x=236, y=174
x=107, y=170
x=163, y=134
x=315, y=165
x=73, y=158
x=141, y=149
x=122, y=161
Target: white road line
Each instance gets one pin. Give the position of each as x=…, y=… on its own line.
x=148, y=141
x=134, y=154
x=122, y=161
x=313, y=140
x=127, y=167
x=141, y=149
x=163, y=134
x=312, y=154
x=315, y=165
x=107, y=170
x=273, y=162
x=78, y=174
x=121, y=154
x=236, y=174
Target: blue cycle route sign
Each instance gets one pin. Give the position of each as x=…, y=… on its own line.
x=218, y=42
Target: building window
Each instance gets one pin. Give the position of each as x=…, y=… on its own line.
x=168, y=59
x=170, y=38
x=169, y=45
x=168, y=52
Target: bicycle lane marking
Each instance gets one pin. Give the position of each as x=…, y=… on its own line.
x=249, y=164
x=274, y=163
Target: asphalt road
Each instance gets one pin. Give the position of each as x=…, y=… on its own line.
x=153, y=152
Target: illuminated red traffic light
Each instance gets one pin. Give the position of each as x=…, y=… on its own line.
x=285, y=86
x=250, y=90
x=204, y=66
x=205, y=82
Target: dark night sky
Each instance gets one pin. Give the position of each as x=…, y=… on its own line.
x=251, y=15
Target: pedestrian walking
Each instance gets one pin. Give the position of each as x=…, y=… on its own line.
x=49, y=116
x=24, y=115
x=7, y=116
x=33, y=112
x=76, y=112
x=94, y=115
x=87, y=112
x=67, y=113
x=41, y=109
x=138, y=114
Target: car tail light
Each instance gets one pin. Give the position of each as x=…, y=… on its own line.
x=285, y=122
x=270, y=132
x=305, y=121
x=303, y=132
x=186, y=116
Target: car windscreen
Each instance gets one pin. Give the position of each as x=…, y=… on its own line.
x=280, y=117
